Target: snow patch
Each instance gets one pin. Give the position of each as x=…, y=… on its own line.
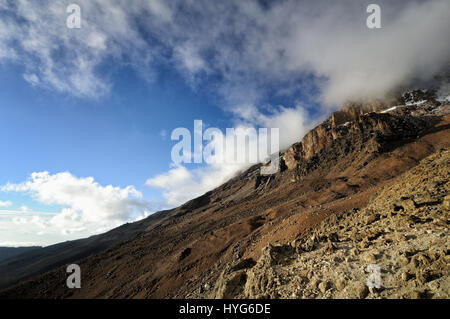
x=443, y=98
x=391, y=109
x=416, y=103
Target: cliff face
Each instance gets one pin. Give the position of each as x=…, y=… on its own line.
x=360, y=130
x=358, y=123
x=335, y=168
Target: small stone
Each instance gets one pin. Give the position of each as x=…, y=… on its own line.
x=330, y=247
x=423, y=259
x=415, y=294
x=423, y=277
x=446, y=202
x=407, y=204
x=354, y=252
x=433, y=254
x=372, y=218
x=337, y=259
x=323, y=286
x=294, y=243
x=404, y=260
x=333, y=237
x=369, y=258
x=340, y=284
x=315, y=283
x=414, y=263
x=364, y=244
x=405, y=276
x=309, y=245
x=361, y=291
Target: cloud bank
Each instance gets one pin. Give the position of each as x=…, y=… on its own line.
x=87, y=206
x=5, y=203
x=249, y=43
x=181, y=184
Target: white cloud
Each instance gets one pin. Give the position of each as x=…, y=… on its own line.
x=25, y=208
x=293, y=123
x=247, y=44
x=5, y=203
x=189, y=58
x=181, y=184
x=160, y=9
x=33, y=79
x=163, y=134
x=66, y=60
x=89, y=206
x=362, y=63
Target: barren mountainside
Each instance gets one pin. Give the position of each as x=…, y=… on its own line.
x=403, y=231
x=347, y=194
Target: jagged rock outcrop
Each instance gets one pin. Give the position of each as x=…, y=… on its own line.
x=355, y=127
x=370, y=129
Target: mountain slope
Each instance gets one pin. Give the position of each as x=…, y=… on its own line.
x=403, y=231
x=37, y=261
x=8, y=252
x=337, y=167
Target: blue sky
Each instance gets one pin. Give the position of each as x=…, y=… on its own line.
x=121, y=139
x=86, y=114
x=113, y=135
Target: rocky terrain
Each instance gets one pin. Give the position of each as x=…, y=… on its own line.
x=217, y=245
x=7, y=252
x=404, y=231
